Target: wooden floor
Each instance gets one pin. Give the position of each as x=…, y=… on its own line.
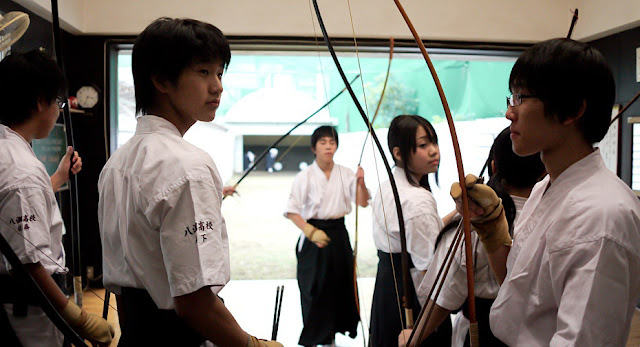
x=93, y=303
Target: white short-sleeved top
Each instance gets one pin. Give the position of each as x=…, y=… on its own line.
x=454, y=290
x=31, y=220
x=159, y=211
x=314, y=196
x=421, y=219
x=573, y=272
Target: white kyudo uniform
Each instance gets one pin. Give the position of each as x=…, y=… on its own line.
x=454, y=291
x=573, y=272
x=421, y=219
x=160, y=219
x=324, y=274
x=29, y=211
x=313, y=196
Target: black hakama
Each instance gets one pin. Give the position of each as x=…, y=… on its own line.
x=325, y=279
x=385, y=314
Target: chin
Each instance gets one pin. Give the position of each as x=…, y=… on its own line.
x=522, y=151
x=207, y=118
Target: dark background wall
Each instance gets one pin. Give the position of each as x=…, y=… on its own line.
x=620, y=52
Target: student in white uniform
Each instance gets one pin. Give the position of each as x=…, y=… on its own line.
x=321, y=195
x=164, y=240
x=512, y=177
x=414, y=145
x=572, y=275
x=31, y=221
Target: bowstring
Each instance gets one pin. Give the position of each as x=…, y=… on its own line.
x=370, y=128
x=65, y=269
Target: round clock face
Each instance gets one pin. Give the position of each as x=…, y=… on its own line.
x=87, y=96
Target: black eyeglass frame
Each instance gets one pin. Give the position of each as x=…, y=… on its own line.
x=516, y=99
x=61, y=103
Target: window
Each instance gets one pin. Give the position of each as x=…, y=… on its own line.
x=266, y=93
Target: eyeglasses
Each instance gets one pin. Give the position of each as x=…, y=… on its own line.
x=516, y=99
x=60, y=103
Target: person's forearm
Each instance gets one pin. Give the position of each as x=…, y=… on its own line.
x=206, y=314
x=449, y=217
x=498, y=262
x=297, y=220
x=48, y=285
x=362, y=198
x=56, y=182
x=438, y=316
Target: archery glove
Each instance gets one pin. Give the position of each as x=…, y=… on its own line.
x=315, y=235
x=491, y=226
x=254, y=342
x=89, y=326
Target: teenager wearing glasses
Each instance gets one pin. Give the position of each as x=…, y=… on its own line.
x=571, y=275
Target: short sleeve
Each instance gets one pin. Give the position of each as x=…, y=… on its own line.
x=422, y=228
x=26, y=215
x=297, y=195
x=352, y=184
x=192, y=236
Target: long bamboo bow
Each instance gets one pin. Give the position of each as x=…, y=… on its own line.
x=21, y=273
x=473, y=329
x=264, y=153
x=74, y=218
x=407, y=299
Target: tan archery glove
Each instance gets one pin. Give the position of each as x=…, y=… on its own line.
x=254, y=342
x=315, y=235
x=491, y=225
x=89, y=326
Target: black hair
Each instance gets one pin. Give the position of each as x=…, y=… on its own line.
x=511, y=171
x=564, y=73
x=167, y=47
x=323, y=131
x=402, y=134
x=26, y=78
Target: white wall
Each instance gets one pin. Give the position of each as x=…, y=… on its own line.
x=71, y=12
x=488, y=20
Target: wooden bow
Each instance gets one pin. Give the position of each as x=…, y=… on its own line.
x=264, y=153
x=465, y=202
x=406, y=278
x=74, y=215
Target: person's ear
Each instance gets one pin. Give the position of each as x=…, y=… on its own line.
x=161, y=84
x=493, y=166
x=396, y=154
x=574, y=119
x=41, y=105
x=313, y=149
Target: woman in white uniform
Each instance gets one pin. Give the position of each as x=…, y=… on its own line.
x=31, y=221
x=164, y=240
x=512, y=177
x=572, y=275
x=414, y=145
x=321, y=195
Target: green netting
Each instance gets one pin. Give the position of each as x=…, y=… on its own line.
x=474, y=88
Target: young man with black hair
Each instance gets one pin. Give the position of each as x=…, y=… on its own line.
x=164, y=240
x=572, y=274
x=321, y=195
x=30, y=85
